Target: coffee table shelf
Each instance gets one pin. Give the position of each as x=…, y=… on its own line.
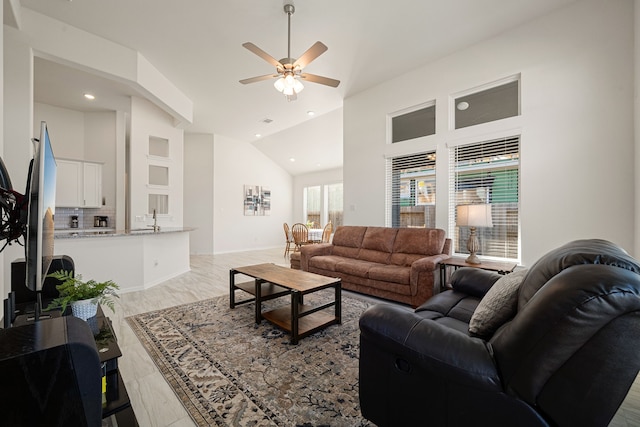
x=267, y=291
x=307, y=325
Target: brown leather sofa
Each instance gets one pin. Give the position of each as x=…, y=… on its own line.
x=398, y=264
x=567, y=356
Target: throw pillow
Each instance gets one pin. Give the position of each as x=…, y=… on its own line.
x=497, y=306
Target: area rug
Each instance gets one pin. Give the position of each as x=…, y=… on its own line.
x=228, y=371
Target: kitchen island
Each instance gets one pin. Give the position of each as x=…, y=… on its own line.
x=135, y=259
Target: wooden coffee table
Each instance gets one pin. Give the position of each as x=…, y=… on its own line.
x=273, y=281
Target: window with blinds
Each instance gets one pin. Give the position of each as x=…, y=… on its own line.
x=312, y=198
x=487, y=173
x=411, y=190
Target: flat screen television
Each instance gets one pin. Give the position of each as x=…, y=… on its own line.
x=41, y=193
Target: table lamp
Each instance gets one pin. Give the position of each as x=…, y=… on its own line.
x=473, y=216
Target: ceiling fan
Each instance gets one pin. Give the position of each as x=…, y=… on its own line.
x=289, y=70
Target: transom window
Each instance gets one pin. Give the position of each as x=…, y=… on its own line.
x=414, y=124
x=495, y=103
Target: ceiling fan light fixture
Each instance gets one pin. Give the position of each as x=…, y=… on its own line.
x=288, y=91
x=279, y=84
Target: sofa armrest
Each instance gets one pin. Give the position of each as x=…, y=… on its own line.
x=473, y=281
x=309, y=251
x=428, y=263
x=426, y=346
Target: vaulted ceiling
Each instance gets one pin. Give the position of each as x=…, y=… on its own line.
x=197, y=45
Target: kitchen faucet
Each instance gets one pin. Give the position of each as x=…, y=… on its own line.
x=155, y=225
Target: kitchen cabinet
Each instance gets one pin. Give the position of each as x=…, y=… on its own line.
x=78, y=184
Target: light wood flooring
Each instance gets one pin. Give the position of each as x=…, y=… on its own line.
x=153, y=401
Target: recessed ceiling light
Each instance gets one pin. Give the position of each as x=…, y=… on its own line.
x=258, y=135
x=292, y=159
x=462, y=105
x=89, y=96
x=311, y=113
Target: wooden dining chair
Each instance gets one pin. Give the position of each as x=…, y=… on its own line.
x=326, y=233
x=288, y=239
x=300, y=235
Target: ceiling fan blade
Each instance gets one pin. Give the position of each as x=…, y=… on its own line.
x=258, y=78
x=262, y=54
x=312, y=53
x=319, y=79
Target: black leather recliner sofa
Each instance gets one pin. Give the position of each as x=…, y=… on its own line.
x=567, y=358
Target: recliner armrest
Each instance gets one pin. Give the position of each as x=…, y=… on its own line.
x=473, y=281
x=428, y=346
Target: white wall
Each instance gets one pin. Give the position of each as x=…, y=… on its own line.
x=198, y=191
x=235, y=164
x=577, y=166
x=148, y=120
x=66, y=130
x=100, y=142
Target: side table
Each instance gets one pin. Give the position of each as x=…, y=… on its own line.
x=457, y=262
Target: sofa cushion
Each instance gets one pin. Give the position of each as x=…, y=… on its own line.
x=427, y=241
x=355, y=267
x=498, y=305
x=414, y=243
x=390, y=273
x=349, y=236
x=377, y=244
x=326, y=262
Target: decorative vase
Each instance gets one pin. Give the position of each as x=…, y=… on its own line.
x=84, y=309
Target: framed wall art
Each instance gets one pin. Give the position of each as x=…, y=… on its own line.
x=257, y=200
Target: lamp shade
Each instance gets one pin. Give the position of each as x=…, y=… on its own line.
x=474, y=215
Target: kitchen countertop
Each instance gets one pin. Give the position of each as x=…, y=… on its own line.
x=72, y=233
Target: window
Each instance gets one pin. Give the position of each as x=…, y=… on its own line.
x=159, y=203
x=334, y=203
x=323, y=203
x=312, y=199
x=158, y=146
x=498, y=102
x=158, y=175
x=487, y=172
x=414, y=124
x=411, y=190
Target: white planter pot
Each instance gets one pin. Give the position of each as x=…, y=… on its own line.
x=84, y=309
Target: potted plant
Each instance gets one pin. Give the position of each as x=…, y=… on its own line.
x=82, y=296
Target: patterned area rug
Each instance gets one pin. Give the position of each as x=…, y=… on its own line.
x=228, y=371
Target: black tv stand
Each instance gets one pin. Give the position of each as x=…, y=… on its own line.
x=115, y=401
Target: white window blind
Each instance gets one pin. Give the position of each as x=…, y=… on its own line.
x=411, y=190
x=487, y=172
x=312, y=198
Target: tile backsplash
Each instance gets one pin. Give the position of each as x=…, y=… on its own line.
x=62, y=218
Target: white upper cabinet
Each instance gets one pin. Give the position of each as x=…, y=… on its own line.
x=78, y=184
